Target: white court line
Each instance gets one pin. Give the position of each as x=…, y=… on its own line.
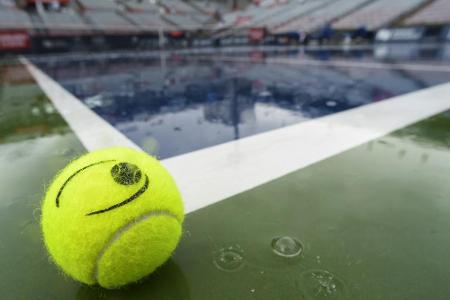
x=92, y=130
x=210, y=175
x=337, y=63
x=216, y=173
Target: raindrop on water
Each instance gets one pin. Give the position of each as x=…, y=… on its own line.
x=321, y=284
x=66, y=152
x=37, y=214
x=286, y=246
x=229, y=259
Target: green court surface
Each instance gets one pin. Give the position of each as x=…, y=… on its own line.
x=370, y=223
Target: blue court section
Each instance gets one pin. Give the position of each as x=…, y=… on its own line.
x=175, y=103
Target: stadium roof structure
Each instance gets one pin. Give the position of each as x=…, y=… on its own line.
x=436, y=13
x=322, y=16
x=377, y=14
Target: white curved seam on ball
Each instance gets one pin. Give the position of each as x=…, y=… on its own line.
x=118, y=233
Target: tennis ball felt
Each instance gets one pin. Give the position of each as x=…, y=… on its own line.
x=112, y=217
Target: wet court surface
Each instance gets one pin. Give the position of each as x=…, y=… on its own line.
x=180, y=103
x=369, y=223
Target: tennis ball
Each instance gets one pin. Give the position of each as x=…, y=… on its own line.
x=112, y=217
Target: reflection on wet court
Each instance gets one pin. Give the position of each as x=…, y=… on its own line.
x=180, y=103
x=369, y=223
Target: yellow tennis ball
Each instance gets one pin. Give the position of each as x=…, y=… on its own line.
x=112, y=217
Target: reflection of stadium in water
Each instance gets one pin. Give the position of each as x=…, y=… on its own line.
x=187, y=102
x=237, y=105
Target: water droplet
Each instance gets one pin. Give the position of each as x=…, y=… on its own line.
x=321, y=284
x=37, y=214
x=66, y=152
x=331, y=103
x=229, y=259
x=286, y=246
x=252, y=290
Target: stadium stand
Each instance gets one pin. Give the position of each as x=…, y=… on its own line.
x=104, y=15
x=249, y=16
x=149, y=22
x=184, y=16
x=144, y=7
x=109, y=21
x=66, y=18
x=4, y=4
x=210, y=8
x=185, y=22
x=203, y=18
x=227, y=20
x=98, y=5
x=376, y=14
x=322, y=16
x=13, y=18
x=436, y=13
x=178, y=7
x=122, y=24
x=270, y=17
x=147, y=16
x=289, y=12
x=257, y=14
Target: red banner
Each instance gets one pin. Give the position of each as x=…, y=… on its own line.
x=256, y=34
x=14, y=41
x=176, y=34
